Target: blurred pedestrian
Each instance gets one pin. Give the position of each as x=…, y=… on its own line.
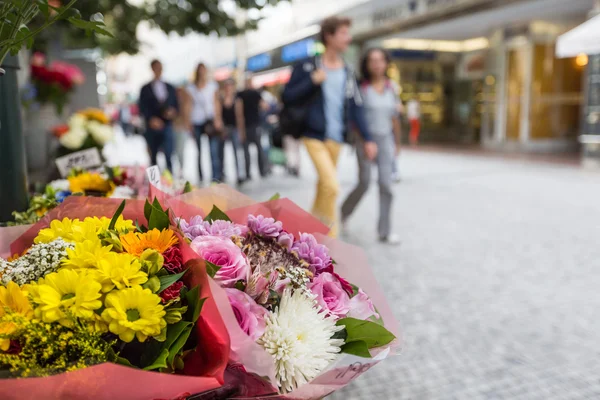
x=413, y=112
x=158, y=104
x=252, y=104
x=205, y=102
x=381, y=104
x=327, y=87
x=125, y=118
x=232, y=112
x=183, y=128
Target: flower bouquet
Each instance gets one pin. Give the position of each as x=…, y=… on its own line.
x=85, y=129
x=299, y=328
x=53, y=83
x=104, y=308
x=113, y=182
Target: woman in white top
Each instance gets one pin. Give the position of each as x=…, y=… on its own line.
x=206, y=117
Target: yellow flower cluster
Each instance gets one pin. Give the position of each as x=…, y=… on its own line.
x=102, y=283
x=95, y=114
x=90, y=182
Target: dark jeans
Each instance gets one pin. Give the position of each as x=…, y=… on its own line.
x=157, y=139
x=215, y=154
x=218, y=144
x=253, y=136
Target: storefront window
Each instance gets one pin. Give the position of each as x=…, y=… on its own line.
x=515, y=82
x=556, y=94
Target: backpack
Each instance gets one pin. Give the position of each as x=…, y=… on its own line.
x=293, y=117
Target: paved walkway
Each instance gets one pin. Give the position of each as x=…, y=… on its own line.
x=496, y=284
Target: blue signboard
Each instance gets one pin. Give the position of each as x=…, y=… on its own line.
x=298, y=51
x=259, y=62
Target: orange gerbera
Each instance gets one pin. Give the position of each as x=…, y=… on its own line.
x=136, y=242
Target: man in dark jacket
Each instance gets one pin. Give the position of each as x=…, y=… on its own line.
x=330, y=88
x=158, y=105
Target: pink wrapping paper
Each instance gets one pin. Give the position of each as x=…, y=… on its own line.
x=204, y=368
x=8, y=235
x=351, y=264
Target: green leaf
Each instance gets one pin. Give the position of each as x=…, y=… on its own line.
x=168, y=280
x=276, y=196
x=188, y=187
x=195, y=304
x=373, y=334
x=211, y=269
x=216, y=215
x=147, y=210
x=124, y=361
x=157, y=204
x=160, y=362
x=115, y=217
x=178, y=344
x=44, y=9
x=358, y=348
x=159, y=219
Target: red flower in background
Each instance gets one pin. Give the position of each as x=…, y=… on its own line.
x=172, y=292
x=60, y=130
x=173, y=260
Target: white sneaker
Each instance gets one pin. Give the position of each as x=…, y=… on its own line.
x=391, y=239
x=344, y=230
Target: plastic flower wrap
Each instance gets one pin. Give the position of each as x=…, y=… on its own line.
x=91, y=298
x=299, y=327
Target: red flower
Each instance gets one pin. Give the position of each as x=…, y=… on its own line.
x=172, y=292
x=60, y=130
x=14, y=348
x=173, y=260
x=345, y=284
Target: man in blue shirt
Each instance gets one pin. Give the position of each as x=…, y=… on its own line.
x=330, y=91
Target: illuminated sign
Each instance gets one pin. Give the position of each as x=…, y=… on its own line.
x=300, y=50
x=259, y=62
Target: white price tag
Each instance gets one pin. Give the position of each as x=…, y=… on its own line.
x=83, y=159
x=153, y=175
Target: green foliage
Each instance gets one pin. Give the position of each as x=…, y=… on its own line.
x=363, y=335
x=216, y=215
x=168, y=280
x=211, y=269
x=16, y=15
x=156, y=216
x=184, y=16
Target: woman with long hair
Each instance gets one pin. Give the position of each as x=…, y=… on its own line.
x=206, y=118
x=381, y=105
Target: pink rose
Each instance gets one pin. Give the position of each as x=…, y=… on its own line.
x=330, y=295
x=249, y=315
x=345, y=284
x=223, y=253
x=361, y=306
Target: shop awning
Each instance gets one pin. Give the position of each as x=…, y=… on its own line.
x=583, y=39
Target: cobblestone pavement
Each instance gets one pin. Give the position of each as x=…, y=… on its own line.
x=495, y=284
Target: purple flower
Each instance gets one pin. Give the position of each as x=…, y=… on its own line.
x=194, y=228
x=286, y=240
x=308, y=249
x=225, y=229
x=264, y=226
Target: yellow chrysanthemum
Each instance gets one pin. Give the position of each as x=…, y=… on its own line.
x=86, y=254
x=90, y=182
x=95, y=114
x=134, y=312
x=64, y=294
x=120, y=270
x=102, y=223
x=13, y=299
x=136, y=242
x=70, y=230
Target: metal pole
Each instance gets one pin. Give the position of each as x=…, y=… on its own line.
x=13, y=170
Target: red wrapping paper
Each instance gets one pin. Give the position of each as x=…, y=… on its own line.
x=204, y=368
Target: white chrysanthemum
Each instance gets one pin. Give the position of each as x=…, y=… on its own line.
x=73, y=139
x=101, y=133
x=77, y=121
x=299, y=338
